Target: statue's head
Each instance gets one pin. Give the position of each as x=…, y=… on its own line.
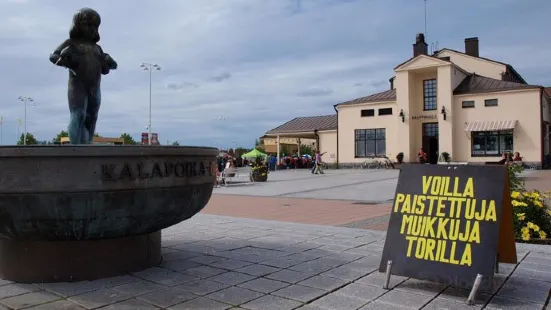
x=85, y=25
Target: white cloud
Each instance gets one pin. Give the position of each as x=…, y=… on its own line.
x=258, y=63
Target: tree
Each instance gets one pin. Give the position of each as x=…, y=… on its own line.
x=175, y=143
x=30, y=139
x=240, y=151
x=306, y=149
x=63, y=134
x=128, y=139
x=60, y=135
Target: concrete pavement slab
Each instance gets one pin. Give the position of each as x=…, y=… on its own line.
x=356, y=185
x=318, y=278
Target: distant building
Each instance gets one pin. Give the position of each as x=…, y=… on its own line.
x=98, y=140
x=471, y=107
x=290, y=144
x=320, y=131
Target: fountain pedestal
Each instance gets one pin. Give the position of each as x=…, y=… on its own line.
x=72, y=213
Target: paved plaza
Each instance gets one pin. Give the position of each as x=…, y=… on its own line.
x=376, y=186
x=345, y=198
x=373, y=186
x=216, y=262
x=272, y=253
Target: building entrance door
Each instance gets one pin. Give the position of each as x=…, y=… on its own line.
x=430, y=141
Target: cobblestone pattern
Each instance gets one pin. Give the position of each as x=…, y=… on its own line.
x=215, y=262
x=369, y=223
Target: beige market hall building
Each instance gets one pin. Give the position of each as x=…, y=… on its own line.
x=471, y=107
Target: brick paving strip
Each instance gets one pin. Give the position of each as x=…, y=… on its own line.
x=218, y=262
x=345, y=213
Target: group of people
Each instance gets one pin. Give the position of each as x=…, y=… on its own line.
x=508, y=159
x=296, y=162
x=289, y=162
x=224, y=162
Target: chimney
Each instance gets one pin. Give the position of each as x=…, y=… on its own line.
x=471, y=46
x=391, y=80
x=420, y=47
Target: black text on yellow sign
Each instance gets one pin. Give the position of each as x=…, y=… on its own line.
x=432, y=222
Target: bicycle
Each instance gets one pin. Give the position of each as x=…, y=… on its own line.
x=383, y=162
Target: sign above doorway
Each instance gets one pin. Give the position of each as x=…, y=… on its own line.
x=423, y=117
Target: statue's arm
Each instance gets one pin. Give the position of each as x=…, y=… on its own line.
x=109, y=62
x=56, y=57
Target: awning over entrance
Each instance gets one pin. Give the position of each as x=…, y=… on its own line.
x=490, y=125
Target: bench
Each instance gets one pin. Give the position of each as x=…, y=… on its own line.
x=234, y=175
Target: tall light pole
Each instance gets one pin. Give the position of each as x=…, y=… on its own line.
x=18, y=129
x=25, y=99
x=1, y=130
x=149, y=67
x=219, y=133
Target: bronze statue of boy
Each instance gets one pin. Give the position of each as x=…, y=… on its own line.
x=86, y=62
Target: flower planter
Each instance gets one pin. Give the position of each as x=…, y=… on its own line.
x=260, y=176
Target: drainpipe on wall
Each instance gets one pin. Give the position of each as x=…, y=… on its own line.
x=317, y=140
x=337, y=111
x=277, y=164
x=542, y=141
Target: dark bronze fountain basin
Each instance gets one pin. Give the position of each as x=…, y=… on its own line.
x=86, y=212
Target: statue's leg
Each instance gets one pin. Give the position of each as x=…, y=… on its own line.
x=94, y=104
x=78, y=101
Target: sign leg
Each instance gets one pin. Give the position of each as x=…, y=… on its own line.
x=387, y=274
x=474, y=290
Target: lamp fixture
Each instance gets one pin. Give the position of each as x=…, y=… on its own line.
x=444, y=112
x=402, y=115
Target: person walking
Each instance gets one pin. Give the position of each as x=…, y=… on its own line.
x=317, y=164
x=314, y=159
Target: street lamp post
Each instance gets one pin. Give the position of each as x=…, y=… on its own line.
x=1, y=130
x=219, y=132
x=25, y=99
x=149, y=67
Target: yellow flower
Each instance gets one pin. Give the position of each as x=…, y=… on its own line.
x=535, y=195
x=538, y=203
x=536, y=228
x=525, y=237
x=517, y=203
x=521, y=216
x=525, y=230
x=515, y=195
x=549, y=212
x=543, y=235
x=530, y=225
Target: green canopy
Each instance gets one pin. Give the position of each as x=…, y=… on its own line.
x=253, y=154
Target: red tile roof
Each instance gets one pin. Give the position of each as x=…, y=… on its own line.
x=306, y=124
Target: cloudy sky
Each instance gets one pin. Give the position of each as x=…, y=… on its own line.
x=256, y=63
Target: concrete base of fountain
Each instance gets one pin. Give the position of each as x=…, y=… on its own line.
x=71, y=213
x=65, y=261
